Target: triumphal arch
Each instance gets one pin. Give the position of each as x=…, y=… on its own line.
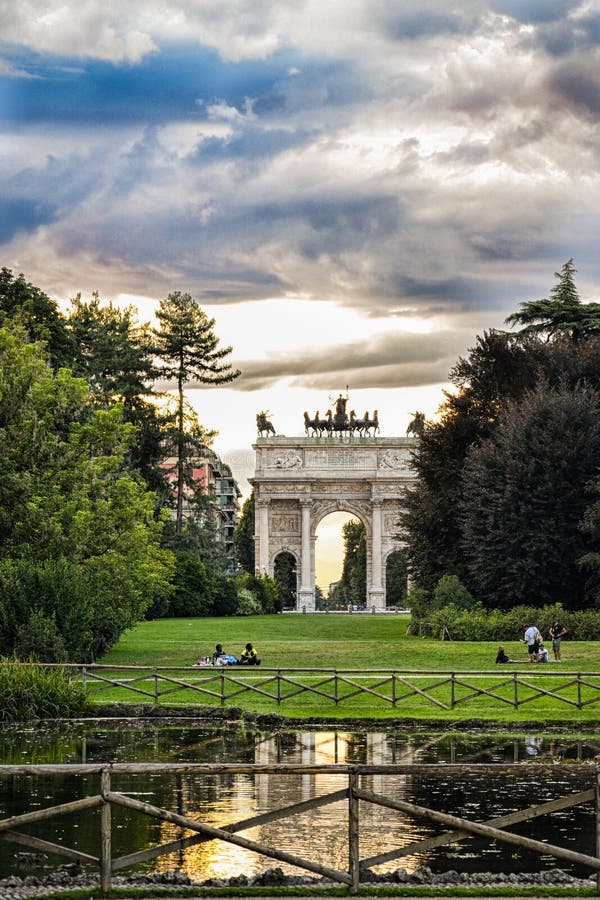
x=300, y=480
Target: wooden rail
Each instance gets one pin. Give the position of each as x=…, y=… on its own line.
x=458, y=828
x=443, y=689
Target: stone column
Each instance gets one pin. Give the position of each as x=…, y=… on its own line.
x=306, y=594
x=376, y=595
x=262, y=534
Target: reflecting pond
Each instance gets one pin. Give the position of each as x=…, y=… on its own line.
x=320, y=834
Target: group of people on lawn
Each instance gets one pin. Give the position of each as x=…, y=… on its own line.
x=248, y=657
x=535, y=645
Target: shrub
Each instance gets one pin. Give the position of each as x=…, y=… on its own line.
x=266, y=591
x=450, y=590
x=30, y=691
x=248, y=604
x=479, y=624
x=193, y=591
x=226, y=596
x=39, y=638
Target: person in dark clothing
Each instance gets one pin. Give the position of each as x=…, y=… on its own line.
x=557, y=631
x=501, y=656
x=219, y=657
x=249, y=657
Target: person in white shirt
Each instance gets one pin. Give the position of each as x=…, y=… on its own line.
x=533, y=640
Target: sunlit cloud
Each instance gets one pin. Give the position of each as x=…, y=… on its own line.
x=353, y=190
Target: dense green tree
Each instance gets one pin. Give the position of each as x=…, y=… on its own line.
x=79, y=539
x=525, y=496
x=194, y=587
x=396, y=575
x=23, y=303
x=189, y=350
x=498, y=368
x=561, y=313
x=352, y=586
x=114, y=354
x=244, y=536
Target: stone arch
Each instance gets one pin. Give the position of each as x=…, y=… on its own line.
x=300, y=480
x=321, y=510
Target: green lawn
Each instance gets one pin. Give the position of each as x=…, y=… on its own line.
x=351, y=642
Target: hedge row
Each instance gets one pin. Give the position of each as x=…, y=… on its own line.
x=479, y=624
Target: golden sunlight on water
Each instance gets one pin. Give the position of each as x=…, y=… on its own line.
x=320, y=835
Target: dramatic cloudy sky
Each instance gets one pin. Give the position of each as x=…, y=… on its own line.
x=353, y=188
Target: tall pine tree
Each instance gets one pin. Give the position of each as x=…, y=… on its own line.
x=189, y=351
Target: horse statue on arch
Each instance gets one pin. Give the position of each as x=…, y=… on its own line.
x=369, y=425
x=313, y=425
x=417, y=424
x=263, y=426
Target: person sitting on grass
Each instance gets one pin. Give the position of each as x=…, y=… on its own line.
x=501, y=656
x=249, y=657
x=219, y=657
x=542, y=655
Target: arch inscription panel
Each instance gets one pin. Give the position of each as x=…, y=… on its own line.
x=299, y=480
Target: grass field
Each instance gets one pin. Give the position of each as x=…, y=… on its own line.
x=352, y=642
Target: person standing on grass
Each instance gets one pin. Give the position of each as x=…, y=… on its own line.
x=557, y=631
x=533, y=640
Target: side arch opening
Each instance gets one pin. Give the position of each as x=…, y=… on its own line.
x=396, y=579
x=285, y=573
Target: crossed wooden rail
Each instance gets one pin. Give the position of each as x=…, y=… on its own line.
x=354, y=794
x=444, y=689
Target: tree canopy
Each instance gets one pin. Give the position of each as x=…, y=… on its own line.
x=509, y=465
x=188, y=349
x=561, y=313
x=79, y=539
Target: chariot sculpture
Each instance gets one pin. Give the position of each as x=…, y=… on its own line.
x=340, y=422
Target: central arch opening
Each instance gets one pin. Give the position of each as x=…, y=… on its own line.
x=340, y=562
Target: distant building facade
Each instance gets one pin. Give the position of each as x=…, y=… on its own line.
x=209, y=475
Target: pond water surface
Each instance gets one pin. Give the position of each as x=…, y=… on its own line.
x=320, y=834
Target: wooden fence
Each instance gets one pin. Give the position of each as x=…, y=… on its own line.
x=353, y=794
x=443, y=689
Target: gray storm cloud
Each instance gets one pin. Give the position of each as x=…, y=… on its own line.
x=390, y=360
x=432, y=155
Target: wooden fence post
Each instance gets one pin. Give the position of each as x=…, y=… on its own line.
x=516, y=690
x=223, y=686
x=155, y=688
x=278, y=687
x=452, y=688
x=105, y=836
x=597, y=787
x=353, y=833
x=579, y=690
